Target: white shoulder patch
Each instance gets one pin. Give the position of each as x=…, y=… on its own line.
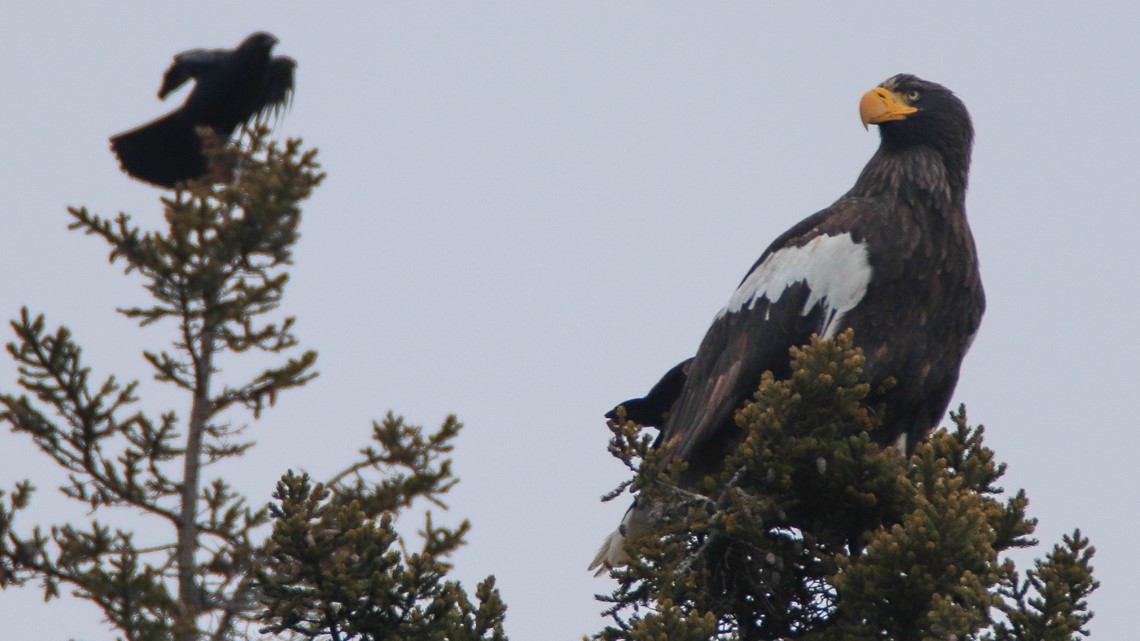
x=835, y=268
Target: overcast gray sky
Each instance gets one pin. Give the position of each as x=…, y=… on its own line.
x=534, y=209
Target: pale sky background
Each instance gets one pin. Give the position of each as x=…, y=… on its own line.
x=533, y=209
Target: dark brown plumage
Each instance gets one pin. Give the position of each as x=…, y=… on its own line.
x=231, y=87
x=893, y=259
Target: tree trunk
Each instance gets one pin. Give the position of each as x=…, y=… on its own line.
x=188, y=594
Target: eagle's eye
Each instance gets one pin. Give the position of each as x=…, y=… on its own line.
x=913, y=95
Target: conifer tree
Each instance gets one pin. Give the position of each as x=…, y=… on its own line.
x=812, y=531
x=230, y=564
x=337, y=568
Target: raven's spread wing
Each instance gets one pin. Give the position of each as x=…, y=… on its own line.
x=278, y=92
x=231, y=87
x=196, y=63
x=242, y=90
x=806, y=282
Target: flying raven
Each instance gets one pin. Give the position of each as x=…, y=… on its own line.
x=231, y=87
x=893, y=259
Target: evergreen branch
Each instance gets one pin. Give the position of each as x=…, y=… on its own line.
x=1051, y=602
x=129, y=595
x=238, y=604
x=402, y=447
x=718, y=514
x=335, y=570
x=170, y=370
x=51, y=369
x=265, y=388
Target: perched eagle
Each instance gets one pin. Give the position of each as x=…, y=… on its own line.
x=893, y=259
x=231, y=87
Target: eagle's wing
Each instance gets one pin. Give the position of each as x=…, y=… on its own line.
x=805, y=282
x=196, y=64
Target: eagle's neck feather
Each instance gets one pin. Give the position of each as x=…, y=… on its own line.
x=916, y=175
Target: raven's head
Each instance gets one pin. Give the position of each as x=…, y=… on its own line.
x=259, y=41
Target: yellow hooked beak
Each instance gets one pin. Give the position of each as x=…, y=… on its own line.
x=880, y=105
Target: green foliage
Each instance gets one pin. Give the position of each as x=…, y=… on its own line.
x=216, y=272
x=217, y=275
x=338, y=568
x=813, y=531
x=1050, y=603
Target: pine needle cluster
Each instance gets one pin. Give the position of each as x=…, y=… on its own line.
x=337, y=567
x=813, y=531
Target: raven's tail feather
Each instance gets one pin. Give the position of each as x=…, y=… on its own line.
x=163, y=152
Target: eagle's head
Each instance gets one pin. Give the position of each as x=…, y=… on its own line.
x=910, y=110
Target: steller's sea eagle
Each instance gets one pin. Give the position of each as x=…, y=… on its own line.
x=893, y=259
x=231, y=87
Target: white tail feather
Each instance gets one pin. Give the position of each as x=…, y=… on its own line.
x=611, y=554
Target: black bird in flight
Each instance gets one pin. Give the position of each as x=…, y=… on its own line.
x=893, y=259
x=231, y=87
